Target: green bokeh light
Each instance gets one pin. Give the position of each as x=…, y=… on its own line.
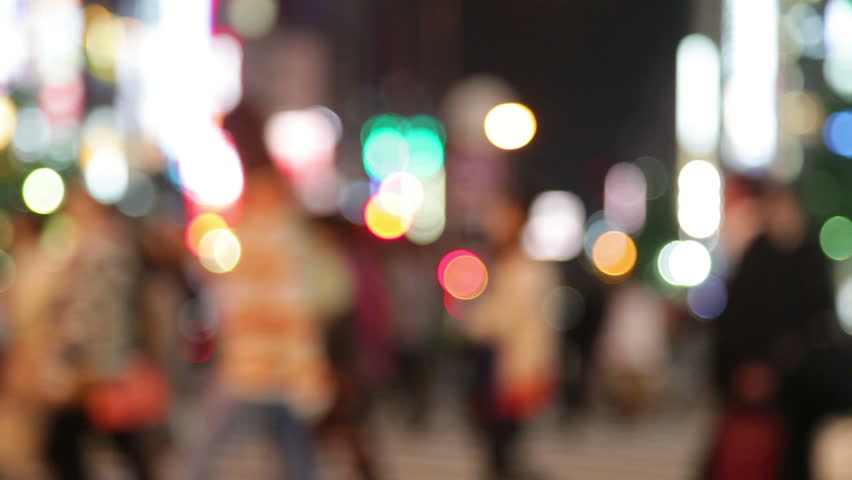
x=394, y=144
x=835, y=238
x=385, y=152
x=425, y=151
x=379, y=122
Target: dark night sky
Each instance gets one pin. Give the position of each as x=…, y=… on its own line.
x=599, y=75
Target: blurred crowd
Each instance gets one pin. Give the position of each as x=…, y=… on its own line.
x=123, y=338
x=193, y=247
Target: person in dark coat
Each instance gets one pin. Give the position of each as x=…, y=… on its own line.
x=778, y=299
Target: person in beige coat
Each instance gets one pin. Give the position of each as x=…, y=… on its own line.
x=512, y=325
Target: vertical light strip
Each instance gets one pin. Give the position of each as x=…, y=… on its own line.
x=699, y=200
x=751, y=69
x=697, y=96
x=178, y=89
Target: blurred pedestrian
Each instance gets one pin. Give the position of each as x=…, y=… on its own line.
x=517, y=347
x=271, y=363
x=360, y=350
x=418, y=310
x=778, y=298
x=107, y=388
x=28, y=386
x=633, y=350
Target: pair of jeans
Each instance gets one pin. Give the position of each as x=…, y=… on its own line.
x=291, y=433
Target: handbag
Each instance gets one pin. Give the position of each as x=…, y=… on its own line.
x=140, y=398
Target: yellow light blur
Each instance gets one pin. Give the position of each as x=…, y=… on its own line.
x=201, y=226
x=384, y=224
x=253, y=18
x=103, y=38
x=96, y=138
x=8, y=118
x=510, y=126
x=801, y=113
x=43, y=191
x=614, y=253
x=220, y=250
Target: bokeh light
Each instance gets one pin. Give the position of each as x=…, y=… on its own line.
x=43, y=191
x=32, y=134
x=838, y=43
x=463, y=274
x=140, y=198
x=510, y=126
x=466, y=105
x=200, y=226
x=14, y=41
x=684, y=263
x=401, y=194
x=384, y=224
x=8, y=119
x=751, y=89
x=554, y=229
x=56, y=30
x=697, y=95
x=253, y=18
x=424, y=139
x=805, y=27
x=708, y=299
x=625, y=194
x=106, y=175
x=431, y=218
x=837, y=72
x=385, y=152
x=219, y=250
x=614, y=253
x=699, y=208
x=227, y=56
x=393, y=144
x=102, y=41
x=445, y=260
x=837, y=133
x=302, y=139
x=835, y=238
x=210, y=168
x=801, y=112
x=63, y=105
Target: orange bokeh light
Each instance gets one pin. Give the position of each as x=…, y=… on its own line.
x=201, y=226
x=614, y=253
x=384, y=224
